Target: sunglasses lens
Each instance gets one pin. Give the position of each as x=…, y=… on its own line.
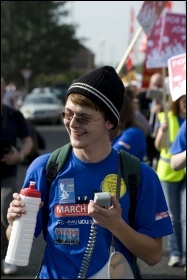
x=79, y=120
x=82, y=121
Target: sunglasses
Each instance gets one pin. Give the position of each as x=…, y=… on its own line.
x=80, y=120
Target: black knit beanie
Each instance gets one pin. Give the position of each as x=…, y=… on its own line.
x=104, y=87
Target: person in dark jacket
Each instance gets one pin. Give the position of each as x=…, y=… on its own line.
x=13, y=127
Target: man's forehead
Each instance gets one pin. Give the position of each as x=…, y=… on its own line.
x=70, y=105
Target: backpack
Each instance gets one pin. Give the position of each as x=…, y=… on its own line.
x=130, y=165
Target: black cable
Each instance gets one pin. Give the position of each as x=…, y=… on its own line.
x=88, y=252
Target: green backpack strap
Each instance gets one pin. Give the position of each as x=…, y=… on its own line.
x=132, y=177
x=56, y=162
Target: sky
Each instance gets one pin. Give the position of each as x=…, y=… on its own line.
x=105, y=25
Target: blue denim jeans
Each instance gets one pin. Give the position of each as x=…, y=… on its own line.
x=175, y=194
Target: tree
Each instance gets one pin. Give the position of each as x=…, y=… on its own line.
x=32, y=37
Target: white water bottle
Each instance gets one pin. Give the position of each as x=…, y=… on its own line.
x=22, y=234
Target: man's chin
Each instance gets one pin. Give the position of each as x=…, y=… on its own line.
x=77, y=144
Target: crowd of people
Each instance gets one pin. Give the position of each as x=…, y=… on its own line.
x=101, y=117
x=166, y=121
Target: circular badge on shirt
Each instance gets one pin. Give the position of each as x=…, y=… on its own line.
x=109, y=185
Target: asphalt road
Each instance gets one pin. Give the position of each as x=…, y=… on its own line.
x=55, y=137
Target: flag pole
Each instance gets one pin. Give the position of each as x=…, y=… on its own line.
x=131, y=45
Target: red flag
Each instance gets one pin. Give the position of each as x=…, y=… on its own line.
x=169, y=5
x=130, y=59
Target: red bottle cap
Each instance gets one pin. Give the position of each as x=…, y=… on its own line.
x=31, y=191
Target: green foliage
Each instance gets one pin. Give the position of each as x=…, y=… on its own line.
x=33, y=37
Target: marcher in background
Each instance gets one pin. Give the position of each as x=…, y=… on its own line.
x=173, y=182
x=178, y=149
x=13, y=127
x=140, y=118
x=128, y=131
x=178, y=162
x=9, y=97
x=133, y=87
x=150, y=107
x=92, y=109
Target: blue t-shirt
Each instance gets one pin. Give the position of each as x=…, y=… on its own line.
x=68, y=225
x=131, y=140
x=179, y=145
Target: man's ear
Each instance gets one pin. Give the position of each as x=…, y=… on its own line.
x=110, y=125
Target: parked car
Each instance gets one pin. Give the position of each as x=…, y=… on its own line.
x=38, y=90
x=58, y=89
x=42, y=108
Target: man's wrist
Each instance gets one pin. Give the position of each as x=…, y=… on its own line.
x=9, y=224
